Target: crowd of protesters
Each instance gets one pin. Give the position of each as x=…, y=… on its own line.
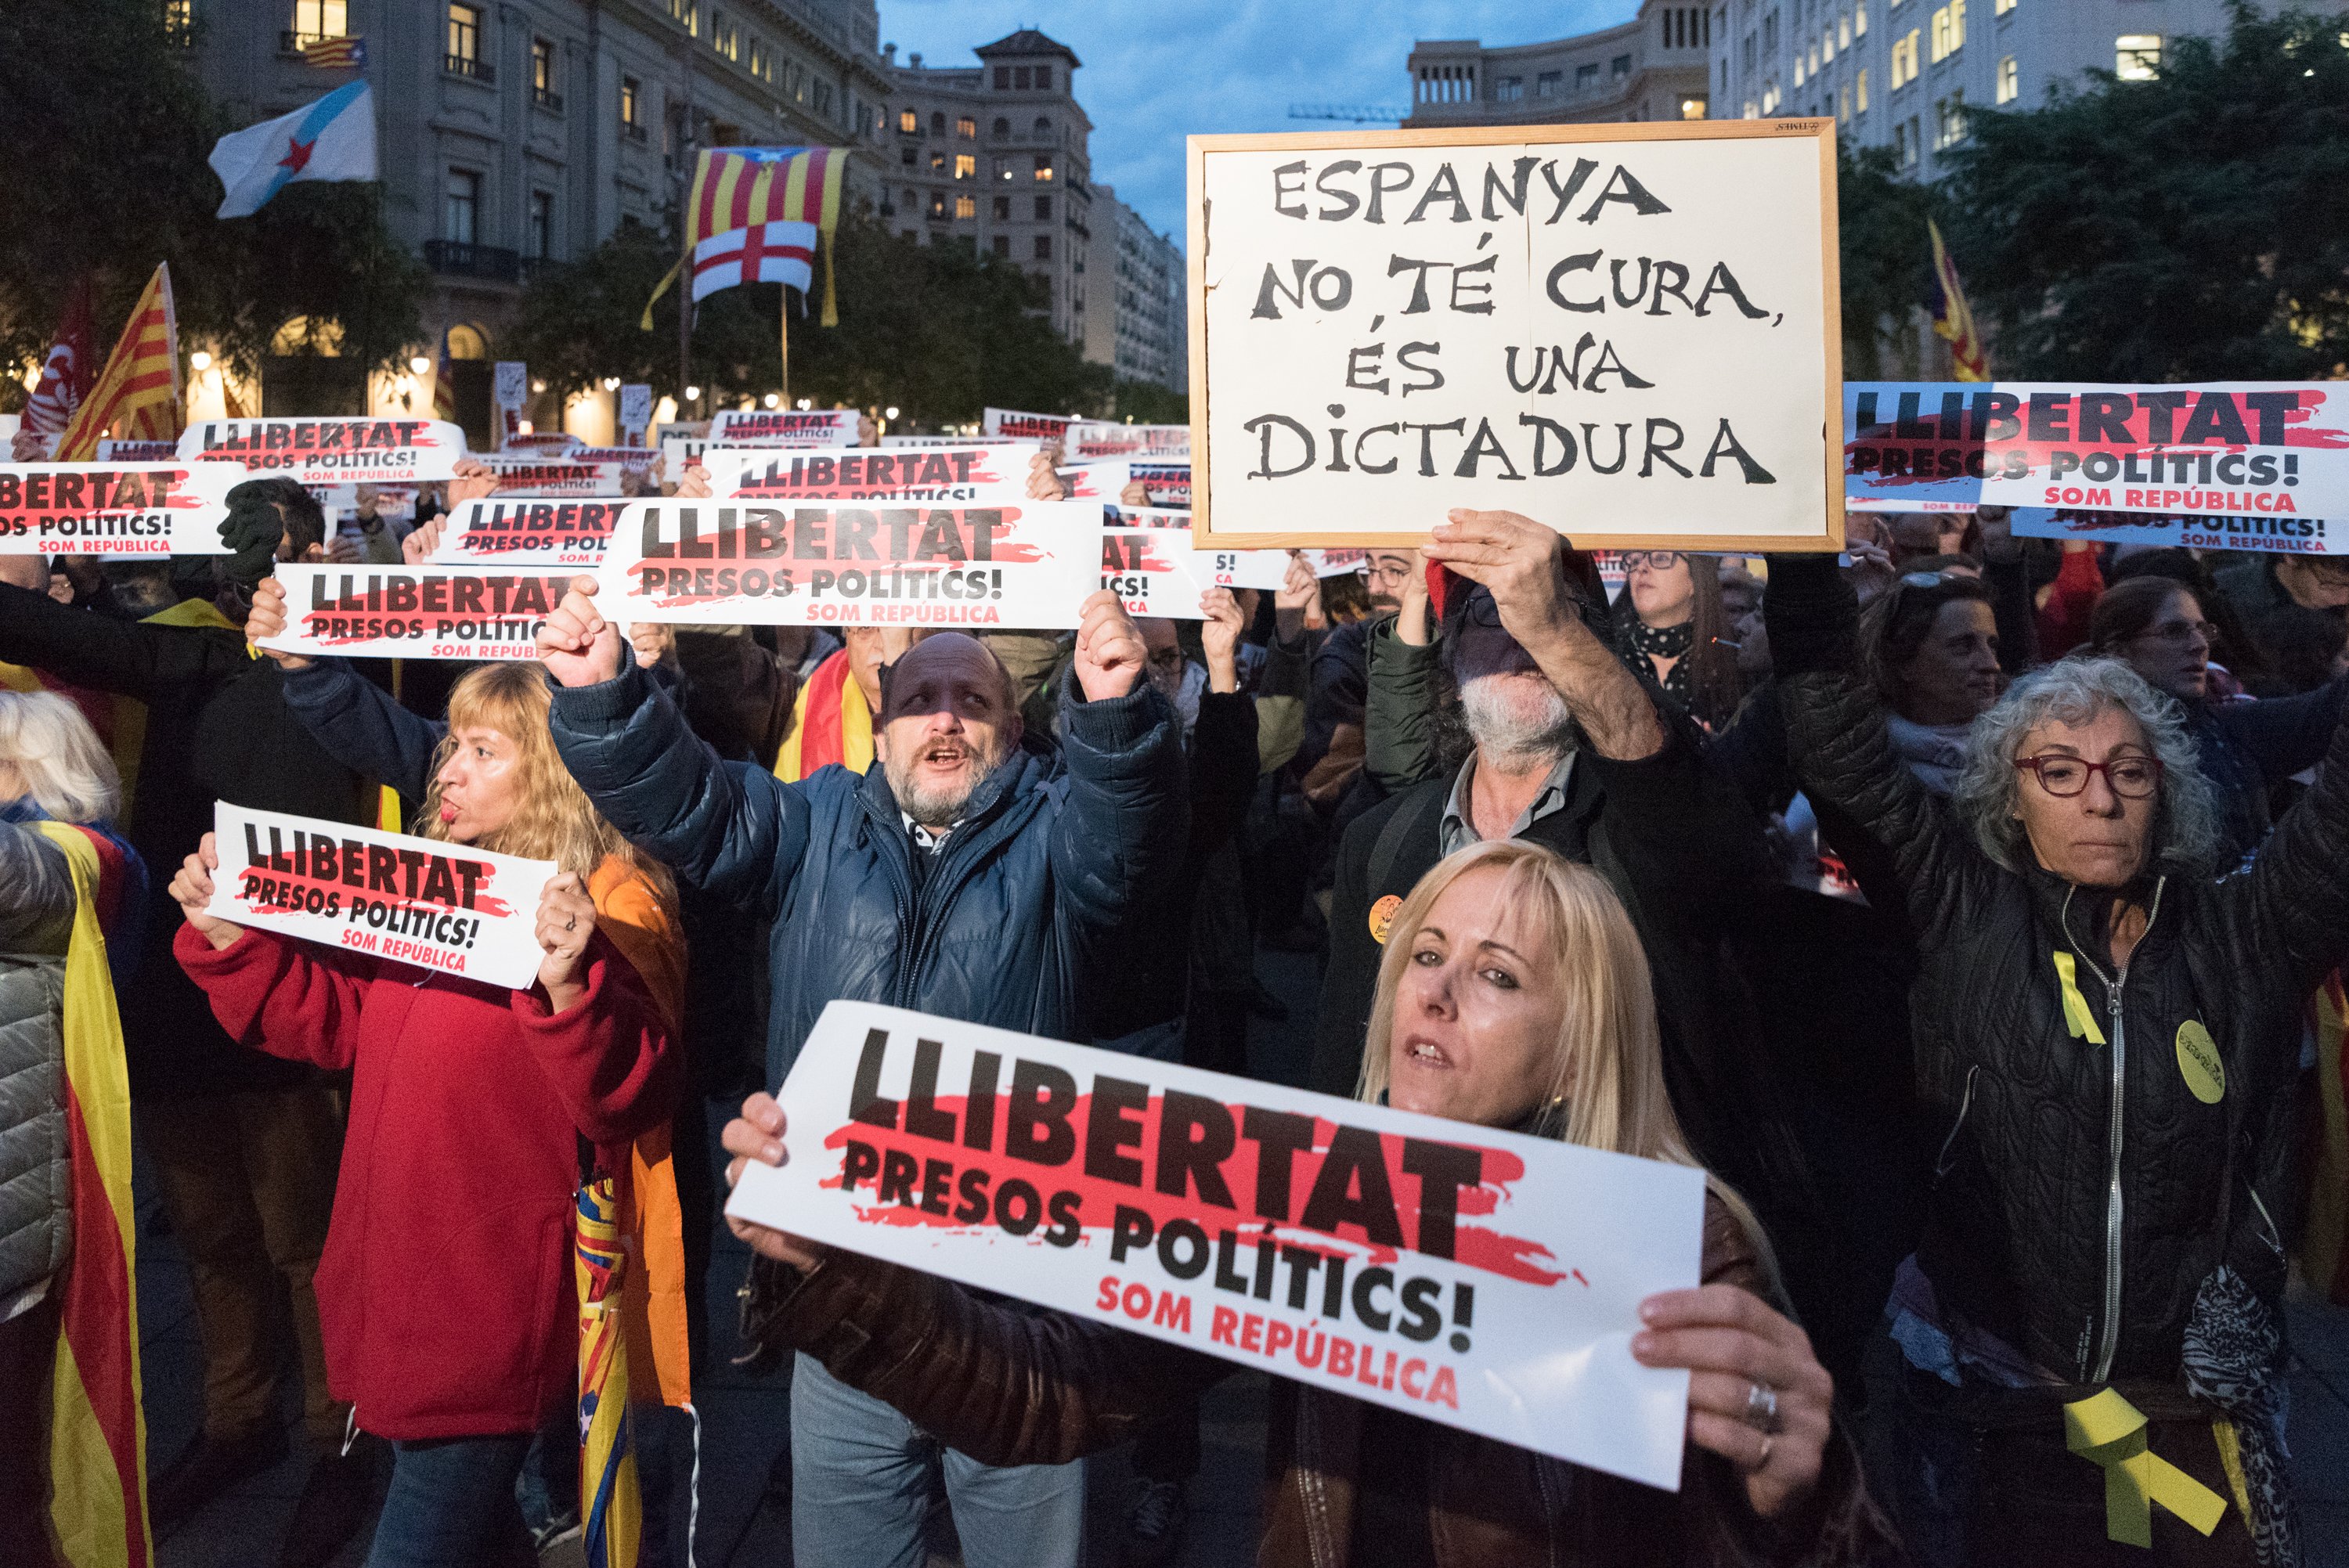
x=1957, y=903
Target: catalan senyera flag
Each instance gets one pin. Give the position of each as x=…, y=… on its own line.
x=138, y=394
x=98, y=1431
x=736, y=187
x=1953, y=318
x=336, y=54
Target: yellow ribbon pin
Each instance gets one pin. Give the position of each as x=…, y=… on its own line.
x=2078, y=1016
x=2107, y=1430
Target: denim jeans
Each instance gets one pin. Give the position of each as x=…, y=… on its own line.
x=451, y=1504
x=859, y=1487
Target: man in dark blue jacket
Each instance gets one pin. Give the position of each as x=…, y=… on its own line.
x=963, y=877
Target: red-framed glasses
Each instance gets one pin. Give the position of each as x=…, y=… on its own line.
x=2132, y=778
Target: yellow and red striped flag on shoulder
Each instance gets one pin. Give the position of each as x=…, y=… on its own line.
x=98, y=1431
x=1953, y=318
x=137, y=395
x=736, y=187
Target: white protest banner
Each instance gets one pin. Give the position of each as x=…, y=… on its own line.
x=114, y=452
x=532, y=474
x=722, y=563
x=416, y=611
x=1630, y=332
x=2228, y=449
x=1025, y=426
x=415, y=901
x=1337, y=563
x=632, y=459
x=529, y=533
x=544, y=443
x=635, y=411
x=784, y=427
x=1147, y=559
x=1265, y=570
x=965, y=473
x=680, y=446
x=2272, y=535
x=1486, y=1280
x=114, y=509
x=895, y=440
x=322, y=451
x=1090, y=441
x=1163, y=484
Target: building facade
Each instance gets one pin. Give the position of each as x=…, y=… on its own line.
x=1903, y=74
x=514, y=135
x=1655, y=66
x=1135, y=319
x=994, y=157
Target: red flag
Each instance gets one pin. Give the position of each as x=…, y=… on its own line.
x=65, y=374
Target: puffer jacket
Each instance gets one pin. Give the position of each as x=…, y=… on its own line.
x=2082, y=1188
x=1012, y=1385
x=36, y=910
x=1017, y=911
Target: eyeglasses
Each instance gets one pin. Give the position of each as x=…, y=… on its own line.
x=1654, y=559
x=1394, y=571
x=2132, y=778
x=2180, y=632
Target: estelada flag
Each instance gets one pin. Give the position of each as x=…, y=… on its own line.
x=65, y=373
x=138, y=393
x=98, y=1431
x=1953, y=318
x=736, y=187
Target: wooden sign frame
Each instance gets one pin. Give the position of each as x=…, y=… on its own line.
x=1822, y=130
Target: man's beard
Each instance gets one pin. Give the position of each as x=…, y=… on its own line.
x=943, y=807
x=1516, y=720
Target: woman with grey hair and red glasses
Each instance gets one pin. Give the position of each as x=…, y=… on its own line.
x=2107, y=1038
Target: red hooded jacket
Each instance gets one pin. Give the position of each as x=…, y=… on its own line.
x=445, y=1291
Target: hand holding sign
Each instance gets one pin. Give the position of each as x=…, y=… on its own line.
x=266, y=620
x=695, y=484
x=758, y=1134
x=475, y=480
x=191, y=890
x=1298, y=600
x=566, y=919
x=1110, y=652
x=422, y=542
x=1734, y=1344
x=1519, y=561
x=1044, y=479
x=578, y=647
x=1219, y=633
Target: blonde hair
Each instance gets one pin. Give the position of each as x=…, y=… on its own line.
x=64, y=769
x=1607, y=1073
x=554, y=820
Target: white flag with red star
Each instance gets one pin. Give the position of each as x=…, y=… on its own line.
x=333, y=139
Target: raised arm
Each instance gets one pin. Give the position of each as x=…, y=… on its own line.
x=2294, y=897
x=1122, y=827
x=271, y=993
x=732, y=829
x=2285, y=735
x=127, y=658
x=1836, y=736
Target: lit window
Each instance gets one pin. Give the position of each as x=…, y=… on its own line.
x=464, y=35
x=1950, y=120
x=2005, y=7
x=2136, y=57
x=1799, y=70
x=1949, y=30
x=1860, y=21
x=966, y=127
x=762, y=64
x=1842, y=31
x=725, y=36
x=1043, y=168
x=938, y=204
x=937, y=162
x=1692, y=109
x=2010, y=86
x=1770, y=98
x=628, y=101
x=966, y=206
x=1905, y=59
x=965, y=166
x=909, y=122
x=321, y=19
x=541, y=68
x=460, y=209
x=1843, y=109
x=1859, y=92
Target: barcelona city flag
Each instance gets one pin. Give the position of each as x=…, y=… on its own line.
x=1953, y=318
x=98, y=1431
x=743, y=187
x=137, y=395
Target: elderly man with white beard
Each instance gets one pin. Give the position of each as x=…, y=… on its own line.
x=1571, y=751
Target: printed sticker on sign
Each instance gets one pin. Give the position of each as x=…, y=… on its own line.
x=423, y=902
x=1482, y=1279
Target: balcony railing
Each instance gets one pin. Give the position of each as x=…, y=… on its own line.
x=547, y=99
x=458, y=259
x=292, y=43
x=633, y=130
x=470, y=66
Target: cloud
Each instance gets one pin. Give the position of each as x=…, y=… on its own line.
x=1154, y=74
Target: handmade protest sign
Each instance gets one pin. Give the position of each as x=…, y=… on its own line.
x=1630, y=333
x=984, y=473
x=329, y=451
x=723, y=563
x=2272, y=535
x=1147, y=559
x=784, y=427
x=1486, y=1280
x=1088, y=440
x=1025, y=426
x=532, y=474
x=529, y=533
x=2251, y=448
x=635, y=410
x=436, y=905
x=416, y=611
x=113, y=509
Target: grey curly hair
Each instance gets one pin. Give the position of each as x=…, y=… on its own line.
x=2074, y=691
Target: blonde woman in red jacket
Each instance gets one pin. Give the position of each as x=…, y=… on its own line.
x=445, y=1292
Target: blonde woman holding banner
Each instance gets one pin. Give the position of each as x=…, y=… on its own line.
x=1513, y=995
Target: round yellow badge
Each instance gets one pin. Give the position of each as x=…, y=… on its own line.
x=1382, y=915
x=2199, y=1063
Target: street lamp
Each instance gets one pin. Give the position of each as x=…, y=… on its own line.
x=538, y=386
x=693, y=394
x=419, y=365
x=773, y=401
x=890, y=412
x=805, y=404
x=611, y=384
x=200, y=362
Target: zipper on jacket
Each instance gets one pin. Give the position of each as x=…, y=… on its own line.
x=1965, y=1104
x=2109, y=1337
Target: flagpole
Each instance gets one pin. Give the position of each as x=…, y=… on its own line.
x=784, y=336
x=686, y=160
